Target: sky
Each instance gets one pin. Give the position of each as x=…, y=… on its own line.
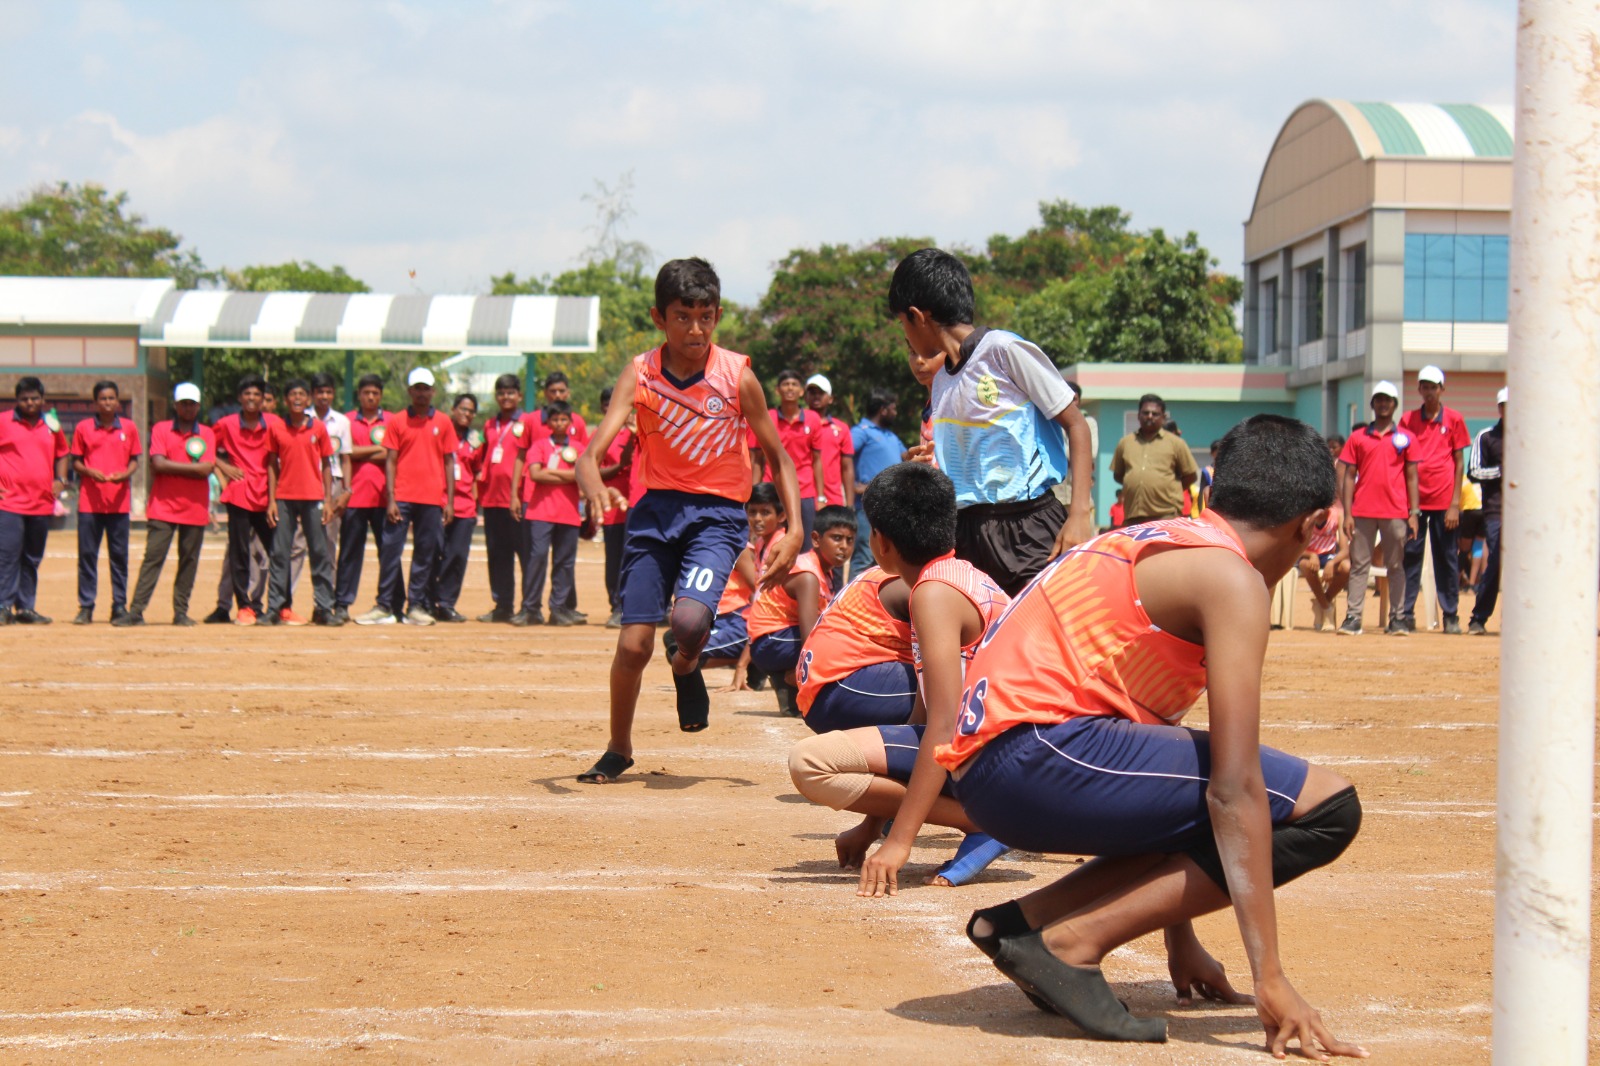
x=428, y=146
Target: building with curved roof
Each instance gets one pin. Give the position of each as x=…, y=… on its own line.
x=1377, y=244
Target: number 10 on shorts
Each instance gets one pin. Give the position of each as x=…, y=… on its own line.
x=699, y=578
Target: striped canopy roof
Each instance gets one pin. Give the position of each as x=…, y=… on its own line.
x=372, y=321
x=1434, y=131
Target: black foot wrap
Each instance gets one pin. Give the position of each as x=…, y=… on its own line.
x=1005, y=919
x=694, y=703
x=785, y=694
x=1298, y=847
x=1078, y=993
x=606, y=769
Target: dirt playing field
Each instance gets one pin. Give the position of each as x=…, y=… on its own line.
x=366, y=844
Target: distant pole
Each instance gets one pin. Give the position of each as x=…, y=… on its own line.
x=530, y=383
x=1552, y=477
x=349, y=380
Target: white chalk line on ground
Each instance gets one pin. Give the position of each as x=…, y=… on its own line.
x=504, y=691
x=356, y=752
x=582, y=799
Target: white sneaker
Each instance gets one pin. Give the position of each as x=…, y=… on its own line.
x=418, y=617
x=378, y=616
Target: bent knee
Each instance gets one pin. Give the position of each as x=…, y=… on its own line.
x=830, y=770
x=1321, y=783
x=690, y=625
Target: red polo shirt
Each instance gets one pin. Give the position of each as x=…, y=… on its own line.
x=800, y=437
x=1435, y=442
x=833, y=439
x=300, y=451
x=183, y=501
x=550, y=503
x=420, y=445
x=28, y=457
x=1380, y=470
x=577, y=433
x=246, y=449
x=469, y=458
x=367, y=478
x=623, y=482
x=107, y=450
x=503, y=439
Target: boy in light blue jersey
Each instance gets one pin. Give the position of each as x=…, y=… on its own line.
x=999, y=408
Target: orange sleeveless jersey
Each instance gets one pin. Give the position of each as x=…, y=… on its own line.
x=990, y=600
x=1078, y=642
x=854, y=631
x=692, y=437
x=737, y=595
x=774, y=609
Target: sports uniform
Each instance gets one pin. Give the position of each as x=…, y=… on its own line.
x=178, y=508
x=445, y=587
x=614, y=523
x=775, y=640
x=28, y=454
x=550, y=511
x=422, y=446
x=856, y=666
x=1068, y=738
x=302, y=452
x=730, y=630
x=366, y=509
x=104, y=506
x=505, y=538
x=688, y=528
x=246, y=497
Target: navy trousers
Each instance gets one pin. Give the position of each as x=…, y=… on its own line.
x=114, y=529
x=451, y=570
x=22, y=538
x=357, y=522
x=428, y=521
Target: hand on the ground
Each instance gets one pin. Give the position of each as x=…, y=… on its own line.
x=1195, y=973
x=852, y=844
x=1286, y=1016
x=739, y=683
x=880, y=874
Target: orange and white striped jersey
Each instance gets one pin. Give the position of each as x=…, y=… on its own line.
x=692, y=433
x=978, y=587
x=737, y=593
x=774, y=609
x=854, y=631
x=1078, y=642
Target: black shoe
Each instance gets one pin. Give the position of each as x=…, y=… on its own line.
x=319, y=617
x=560, y=616
x=448, y=614
x=1452, y=625
x=219, y=617
x=496, y=615
x=1410, y=623
x=5, y=617
x=527, y=618
x=84, y=616
x=118, y=612
x=755, y=679
x=341, y=615
x=130, y=618
x=1351, y=627
x=269, y=618
x=182, y=620
x=1476, y=628
x=28, y=617
x=575, y=613
x=1397, y=628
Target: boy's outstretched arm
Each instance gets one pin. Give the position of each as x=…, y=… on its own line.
x=590, y=485
x=753, y=402
x=941, y=612
x=1079, y=526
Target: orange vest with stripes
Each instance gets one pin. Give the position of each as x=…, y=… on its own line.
x=692, y=434
x=854, y=631
x=774, y=609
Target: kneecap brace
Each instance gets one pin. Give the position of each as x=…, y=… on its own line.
x=829, y=769
x=689, y=626
x=1298, y=847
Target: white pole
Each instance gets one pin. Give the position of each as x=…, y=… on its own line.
x=1551, y=545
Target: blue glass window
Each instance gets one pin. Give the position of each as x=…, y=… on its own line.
x=1456, y=278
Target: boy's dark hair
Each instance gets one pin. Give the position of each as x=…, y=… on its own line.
x=369, y=379
x=268, y=388
x=557, y=407
x=555, y=377
x=466, y=396
x=605, y=396
x=1172, y=426
x=765, y=492
x=250, y=381
x=834, y=516
x=1271, y=470
x=1335, y=439
x=914, y=506
x=1151, y=397
x=507, y=381
x=788, y=374
x=877, y=400
x=101, y=386
x=689, y=281
x=1215, y=445
x=935, y=282
x=296, y=383
x=323, y=380
x=30, y=384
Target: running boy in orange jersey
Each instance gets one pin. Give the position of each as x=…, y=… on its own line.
x=692, y=400
x=888, y=770
x=1069, y=742
x=783, y=615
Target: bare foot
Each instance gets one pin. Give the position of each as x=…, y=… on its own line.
x=853, y=844
x=938, y=881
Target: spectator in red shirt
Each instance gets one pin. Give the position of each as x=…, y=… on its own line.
x=421, y=476
x=558, y=390
x=33, y=471
x=505, y=539
x=300, y=498
x=550, y=510
x=836, y=453
x=183, y=453
x=1439, y=441
x=242, y=441
x=1378, y=476
x=105, y=454
x=445, y=588
x=366, y=508
x=800, y=433
x=616, y=471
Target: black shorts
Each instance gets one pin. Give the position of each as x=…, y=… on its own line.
x=1011, y=542
x=1471, y=527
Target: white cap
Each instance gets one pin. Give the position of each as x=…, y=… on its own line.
x=1431, y=373
x=186, y=391
x=820, y=382
x=420, y=376
x=1500, y=397
x=1386, y=388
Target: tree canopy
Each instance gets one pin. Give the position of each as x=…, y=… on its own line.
x=66, y=230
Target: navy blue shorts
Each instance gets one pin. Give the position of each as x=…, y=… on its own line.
x=900, y=744
x=1105, y=786
x=1325, y=558
x=777, y=652
x=680, y=544
x=727, y=638
x=880, y=694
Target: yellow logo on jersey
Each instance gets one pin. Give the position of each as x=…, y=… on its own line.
x=988, y=390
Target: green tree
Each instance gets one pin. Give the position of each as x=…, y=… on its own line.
x=65, y=230
x=293, y=276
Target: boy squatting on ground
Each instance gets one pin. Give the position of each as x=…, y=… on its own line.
x=728, y=644
x=783, y=615
x=692, y=400
x=886, y=769
x=1068, y=743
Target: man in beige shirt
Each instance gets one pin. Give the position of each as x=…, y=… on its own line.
x=1152, y=466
